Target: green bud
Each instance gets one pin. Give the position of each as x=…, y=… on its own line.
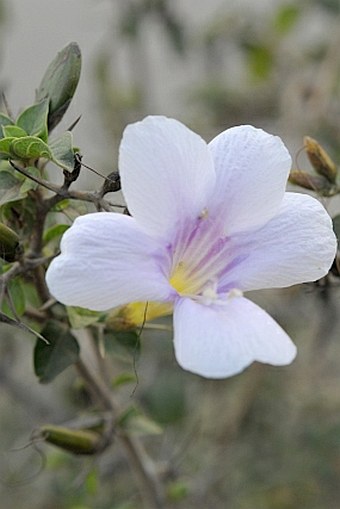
x=9, y=243
x=320, y=160
x=77, y=441
x=60, y=82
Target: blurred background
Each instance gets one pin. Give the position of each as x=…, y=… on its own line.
x=270, y=437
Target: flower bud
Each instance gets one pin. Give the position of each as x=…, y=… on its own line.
x=9, y=243
x=111, y=183
x=77, y=441
x=135, y=314
x=307, y=181
x=320, y=160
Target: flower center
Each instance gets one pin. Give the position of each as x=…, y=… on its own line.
x=180, y=280
x=198, y=257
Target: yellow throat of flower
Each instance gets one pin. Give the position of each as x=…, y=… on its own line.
x=181, y=281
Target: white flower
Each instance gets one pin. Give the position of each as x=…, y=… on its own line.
x=209, y=222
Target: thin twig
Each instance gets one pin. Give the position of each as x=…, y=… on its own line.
x=139, y=461
x=41, y=182
x=15, y=270
x=62, y=193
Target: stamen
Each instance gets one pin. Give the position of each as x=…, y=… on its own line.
x=234, y=292
x=204, y=214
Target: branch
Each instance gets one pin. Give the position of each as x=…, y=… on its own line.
x=62, y=192
x=139, y=461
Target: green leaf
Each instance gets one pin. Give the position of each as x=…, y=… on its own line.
x=60, y=82
x=286, y=17
x=30, y=147
x=165, y=400
x=62, y=205
x=31, y=294
x=53, y=358
x=4, y=120
x=80, y=317
x=332, y=6
x=123, y=379
x=54, y=232
x=92, y=483
x=10, y=187
x=5, y=146
x=260, y=60
x=29, y=184
x=336, y=226
x=34, y=120
x=13, y=131
x=62, y=151
x=9, y=243
x=133, y=421
x=123, y=345
x=15, y=323
x=141, y=425
x=177, y=491
x=15, y=289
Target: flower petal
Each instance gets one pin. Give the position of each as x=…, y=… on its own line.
x=167, y=173
x=252, y=169
x=222, y=340
x=107, y=261
x=296, y=246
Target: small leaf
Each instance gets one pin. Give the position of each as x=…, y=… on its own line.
x=9, y=321
x=123, y=345
x=4, y=120
x=54, y=232
x=286, y=17
x=10, y=187
x=332, y=6
x=133, y=421
x=29, y=184
x=60, y=82
x=92, y=483
x=31, y=294
x=123, y=379
x=260, y=60
x=5, y=146
x=33, y=120
x=30, y=147
x=9, y=243
x=175, y=31
x=15, y=289
x=144, y=426
x=53, y=358
x=177, y=491
x=165, y=401
x=80, y=317
x=62, y=151
x=336, y=226
x=62, y=205
x=13, y=131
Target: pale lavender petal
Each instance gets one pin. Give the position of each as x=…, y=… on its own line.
x=167, y=174
x=297, y=246
x=107, y=261
x=252, y=168
x=222, y=340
